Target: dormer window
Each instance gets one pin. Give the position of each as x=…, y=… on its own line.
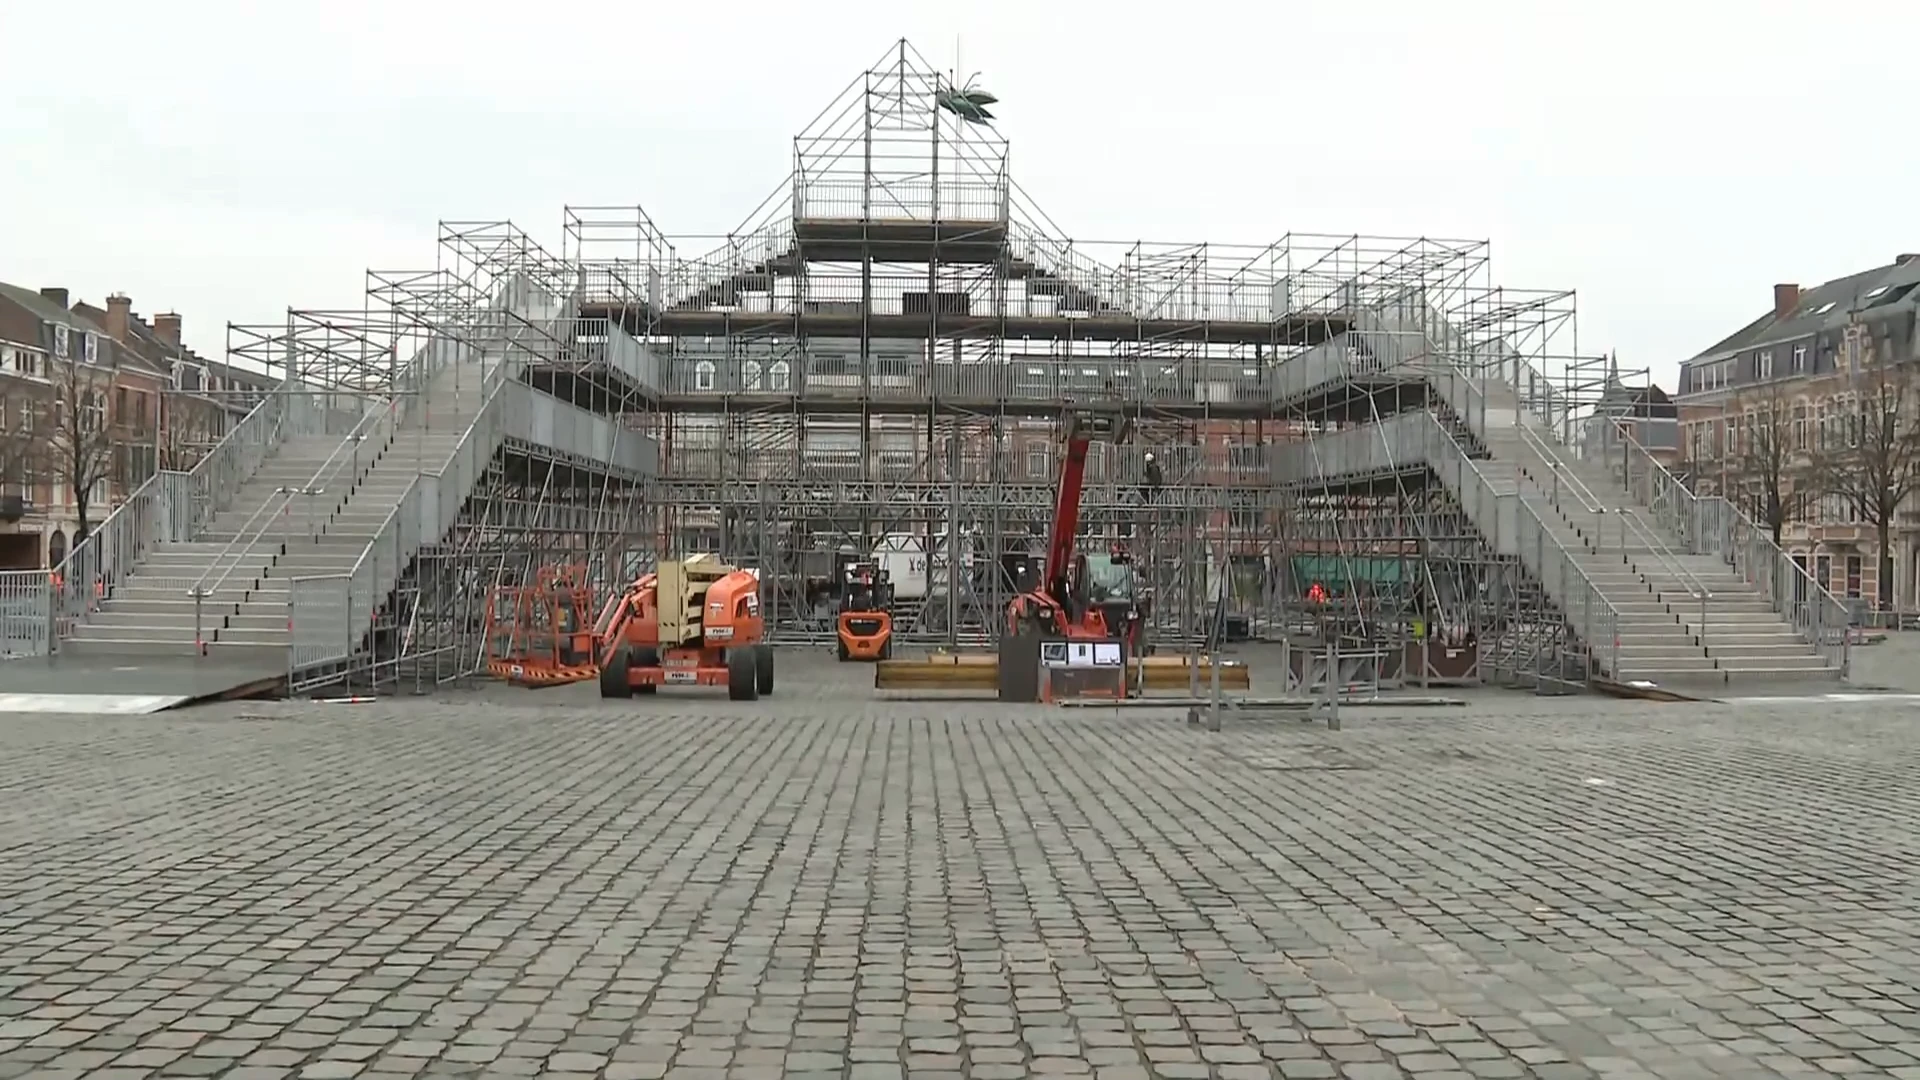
x=62, y=341
x=90, y=348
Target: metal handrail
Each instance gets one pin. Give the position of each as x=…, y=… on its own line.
x=286, y=495
x=1561, y=470
x=1664, y=552
x=1607, y=611
x=249, y=534
x=1630, y=520
x=1693, y=500
x=200, y=590
x=329, y=468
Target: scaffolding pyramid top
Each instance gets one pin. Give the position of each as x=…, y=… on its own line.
x=903, y=142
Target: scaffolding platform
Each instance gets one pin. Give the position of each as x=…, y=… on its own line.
x=1295, y=331
x=141, y=684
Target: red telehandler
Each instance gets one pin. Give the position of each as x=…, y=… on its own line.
x=1081, y=596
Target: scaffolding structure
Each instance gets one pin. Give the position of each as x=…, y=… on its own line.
x=878, y=359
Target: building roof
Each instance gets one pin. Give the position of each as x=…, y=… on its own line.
x=1828, y=307
x=39, y=305
x=145, y=342
x=79, y=317
x=1619, y=399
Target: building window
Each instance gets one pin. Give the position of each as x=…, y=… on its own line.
x=1853, y=577
x=779, y=375
x=1763, y=364
x=1823, y=571
x=1799, y=359
x=750, y=375
x=1039, y=463
x=61, y=341
x=703, y=375
x=89, y=348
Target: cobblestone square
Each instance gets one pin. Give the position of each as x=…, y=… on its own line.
x=514, y=884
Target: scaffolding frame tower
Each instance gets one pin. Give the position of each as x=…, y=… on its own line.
x=876, y=360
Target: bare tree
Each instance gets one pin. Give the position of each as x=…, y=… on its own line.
x=1876, y=465
x=1763, y=465
x=80, y=442
x=188, y=426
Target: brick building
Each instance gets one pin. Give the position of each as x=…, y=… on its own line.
x=52, y=358
x=159, y=406
x=1797, y=377
x=198, y=399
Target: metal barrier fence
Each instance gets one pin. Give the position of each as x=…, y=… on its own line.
x=26, y=613
x=319, y=623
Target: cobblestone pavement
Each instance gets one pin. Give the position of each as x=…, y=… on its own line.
x=516, y=885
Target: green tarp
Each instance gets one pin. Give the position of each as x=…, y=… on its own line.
x=1337, y=571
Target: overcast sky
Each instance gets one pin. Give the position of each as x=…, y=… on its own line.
x=1669, y=161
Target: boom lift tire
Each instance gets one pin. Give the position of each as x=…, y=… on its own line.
x=613, y=675
x=743, y=676
x=840, y=647
x=763, y=669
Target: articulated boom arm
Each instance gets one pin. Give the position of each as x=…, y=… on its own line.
x=1082, y=429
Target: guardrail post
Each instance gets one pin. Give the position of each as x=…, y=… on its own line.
x=199, y=636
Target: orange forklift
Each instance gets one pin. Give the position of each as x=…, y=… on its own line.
x=865, y=627
x=692, y=622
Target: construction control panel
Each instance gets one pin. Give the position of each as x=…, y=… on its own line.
x=1083, y=668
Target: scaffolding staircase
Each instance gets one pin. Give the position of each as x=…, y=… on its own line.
x=301, y=529
x=1666, y=589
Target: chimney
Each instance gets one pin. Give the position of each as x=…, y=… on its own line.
x=119, y=310
x=58, y=296
x=166, y=327
x=1785, y=299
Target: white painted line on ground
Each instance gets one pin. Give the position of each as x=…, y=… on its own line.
x=87, y=704
x=1909, y=698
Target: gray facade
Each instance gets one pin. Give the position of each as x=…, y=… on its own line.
x=1806, y=333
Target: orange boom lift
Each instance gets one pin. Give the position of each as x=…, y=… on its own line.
x=692, y=622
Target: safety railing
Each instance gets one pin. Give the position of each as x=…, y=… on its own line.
x=341, y=471
x=158, y=511
x=235, y=458
x=221, y=568
x=1817, y=615
x=279, y=509
x=1588, y=613
x=1710, y=525
x=1634, y=536
x=1410, y=337
x=26, y=613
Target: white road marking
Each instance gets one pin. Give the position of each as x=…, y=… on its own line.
x=88, y=704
